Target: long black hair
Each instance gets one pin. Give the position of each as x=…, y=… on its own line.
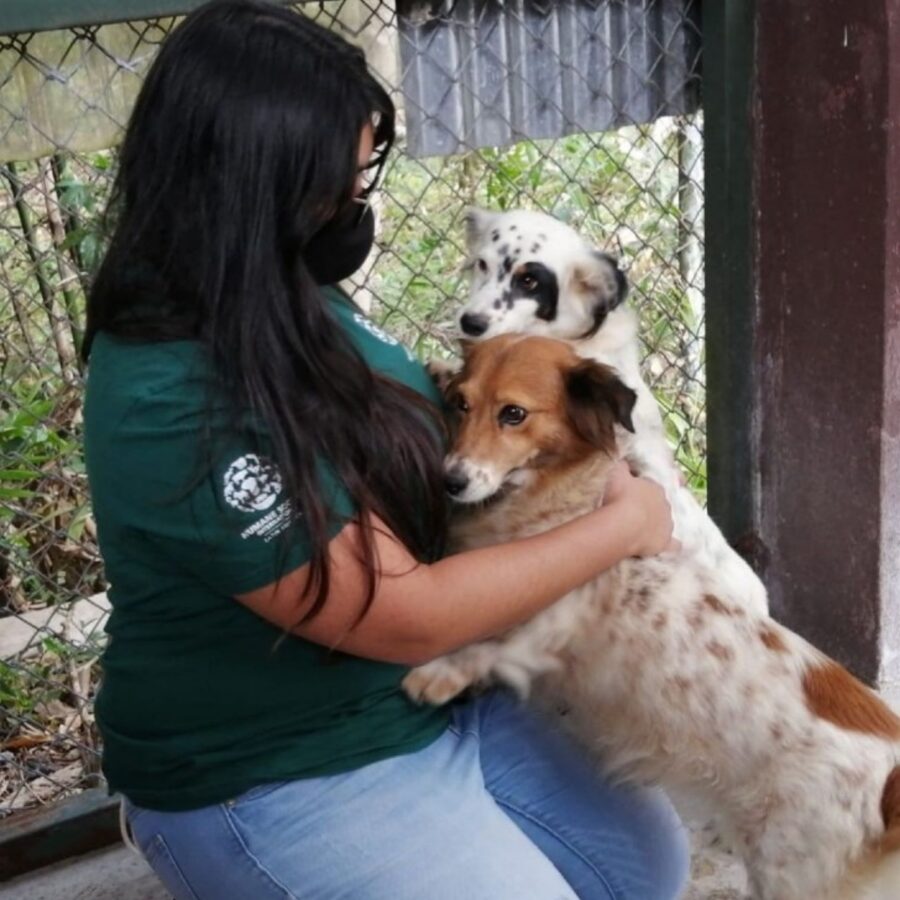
x=243, y=143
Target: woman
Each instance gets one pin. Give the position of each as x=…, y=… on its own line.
x=265, y=466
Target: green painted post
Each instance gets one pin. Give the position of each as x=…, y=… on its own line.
x=728, y=58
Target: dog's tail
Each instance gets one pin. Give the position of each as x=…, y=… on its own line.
x=879, y=877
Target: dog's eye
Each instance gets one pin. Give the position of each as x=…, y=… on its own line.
x=461, y=404
x=528, y=283
x=512, y=415
x=482, y=266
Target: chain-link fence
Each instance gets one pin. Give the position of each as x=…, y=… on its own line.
x=586, y=109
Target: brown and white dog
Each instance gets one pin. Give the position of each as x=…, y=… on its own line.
x=668, y=674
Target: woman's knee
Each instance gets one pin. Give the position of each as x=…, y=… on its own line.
x=666, y=846
x=609, y=840
x=640, y=850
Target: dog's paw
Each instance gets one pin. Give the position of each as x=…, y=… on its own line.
x=436, y=683
x=443, y=371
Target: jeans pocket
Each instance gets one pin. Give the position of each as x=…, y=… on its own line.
x=160, y=859
x=257, y=793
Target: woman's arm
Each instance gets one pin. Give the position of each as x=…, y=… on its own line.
x=424, y=611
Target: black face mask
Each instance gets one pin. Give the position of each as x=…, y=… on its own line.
x=341, y=246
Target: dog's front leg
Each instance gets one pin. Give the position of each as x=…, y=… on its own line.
x=443, y=371
x=447, y=677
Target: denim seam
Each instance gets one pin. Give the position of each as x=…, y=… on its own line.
x=164, y=851
x=560, y=836
x=459, y=732
x=229, y=820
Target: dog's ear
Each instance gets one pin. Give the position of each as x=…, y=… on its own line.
x=478, y=225
x=597, y=399
x=602, y=283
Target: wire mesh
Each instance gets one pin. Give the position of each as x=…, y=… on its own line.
x=635, y=190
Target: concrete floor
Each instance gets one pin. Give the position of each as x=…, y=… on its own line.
x=112, y=874
x=118, y=874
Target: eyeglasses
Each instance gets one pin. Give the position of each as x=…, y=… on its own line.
x=369, y=176
x=370, y=173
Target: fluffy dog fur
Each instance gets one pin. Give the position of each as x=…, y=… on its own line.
x=669, y=674
x=532, y=274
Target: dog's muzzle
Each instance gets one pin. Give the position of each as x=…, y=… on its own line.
x=455, y=481
x=473, y=325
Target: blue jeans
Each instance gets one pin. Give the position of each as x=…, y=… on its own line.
x=500, y=807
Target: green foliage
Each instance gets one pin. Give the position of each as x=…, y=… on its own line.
x=82, y=192
x=47, y=555
x=18, y=694
x=38, y=689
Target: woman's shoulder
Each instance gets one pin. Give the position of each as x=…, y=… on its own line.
x=150, y=360
x=382, y=350
x=165, y=382
x=362, y=327
x=131, y=368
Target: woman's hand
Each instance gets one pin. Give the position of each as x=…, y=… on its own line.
x=643, y=506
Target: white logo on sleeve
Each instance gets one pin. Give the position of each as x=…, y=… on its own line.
x=252, y=483
x=382, y=335
x=374, y=330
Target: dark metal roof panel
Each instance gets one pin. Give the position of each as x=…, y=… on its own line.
x=486, y=73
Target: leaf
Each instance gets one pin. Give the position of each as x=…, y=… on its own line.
x=16, y=474
x=16, y=494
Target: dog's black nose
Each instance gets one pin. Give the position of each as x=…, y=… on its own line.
x=455, y=482
x=473, y=325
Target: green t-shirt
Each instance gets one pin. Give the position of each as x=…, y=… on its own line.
x=200, y=699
